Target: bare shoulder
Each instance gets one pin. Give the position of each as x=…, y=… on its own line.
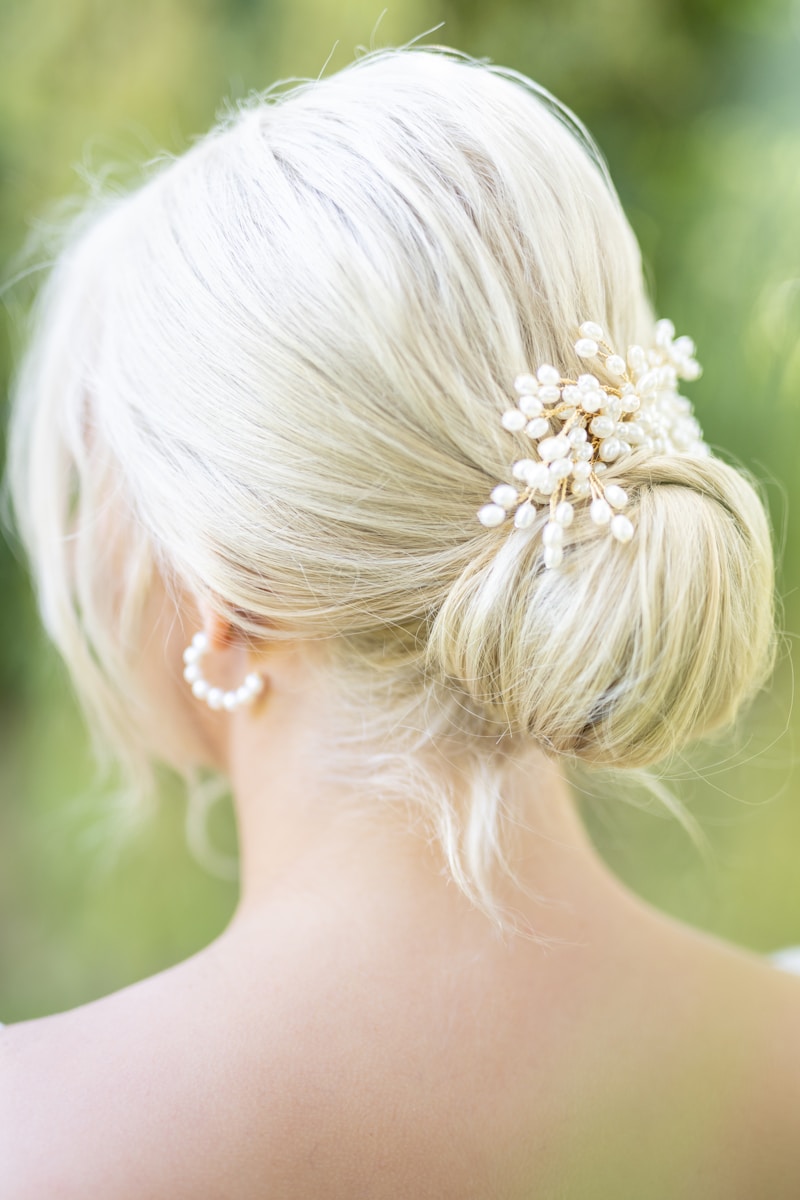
x=362, y=1065
x=771, y=1103
x=124, y=1096
x=776, y=1014
x=247, y=1071
x=746, y=1040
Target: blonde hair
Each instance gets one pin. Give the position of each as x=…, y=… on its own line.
x=273, y=372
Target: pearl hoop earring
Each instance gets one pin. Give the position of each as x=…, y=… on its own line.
x=216, y=697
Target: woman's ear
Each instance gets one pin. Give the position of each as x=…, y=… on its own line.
x=218, y=631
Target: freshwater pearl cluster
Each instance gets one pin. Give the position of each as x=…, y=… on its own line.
x=580, y=426
x=215, y=697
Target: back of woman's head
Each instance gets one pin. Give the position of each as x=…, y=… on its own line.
x=274, y=373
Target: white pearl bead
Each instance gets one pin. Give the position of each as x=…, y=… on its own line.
x=525, y=384
x=621, y=528
x=631, y=403
x=191, y=654
x=577, y=436
x=513, y=420
x=553, y=556
x=200, y=642
x=647, y=383
x=520, y=469
x=610, y=449
x=572, y=394
x=590, y=329
x=561, y=468
x=550, y=394
x=201, y=689
x=615, y=364
x=192, y=673
x=600, y=511
x=243, y=695
x=525, y=515
x=537, y=428
x=665, y=332
x=531, y=406
x=603, y=426
x=547, y=374
x=552, y=534
x=586, y=348
x=634, y=433
x=491, y=515
x=581, y=488
x=553, y=447
x=582, y=470
x=254, y=682
x=637, y=359
x=584, y=453
x=564, y=514
x=505, y=495
x=230, y=701
x=215, y=697
x=588, y=383
x=593, y=401
x=537, y=475
x=600, y=468
x=616, y=496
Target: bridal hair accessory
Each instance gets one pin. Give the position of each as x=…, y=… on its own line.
x=215, y=697
x=580, y=426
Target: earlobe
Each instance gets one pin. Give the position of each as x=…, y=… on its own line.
x=216, y=629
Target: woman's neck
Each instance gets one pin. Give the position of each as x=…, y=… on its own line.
x=299, y=827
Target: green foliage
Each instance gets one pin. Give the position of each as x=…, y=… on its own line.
x=695, y=103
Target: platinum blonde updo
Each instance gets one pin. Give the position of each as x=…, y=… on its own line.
x=273, y=373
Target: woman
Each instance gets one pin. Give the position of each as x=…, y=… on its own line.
x=352, y=464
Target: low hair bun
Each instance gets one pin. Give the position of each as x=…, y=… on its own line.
x=627, y=652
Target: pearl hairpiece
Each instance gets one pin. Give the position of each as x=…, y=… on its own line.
x=581, y=425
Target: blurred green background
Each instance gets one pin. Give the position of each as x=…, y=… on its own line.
x=696, y=104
